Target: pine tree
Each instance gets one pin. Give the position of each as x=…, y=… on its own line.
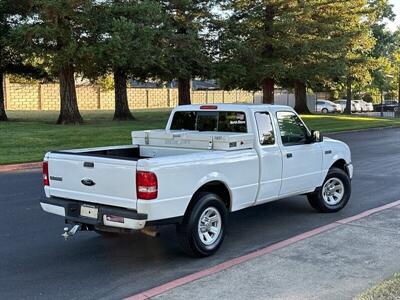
x=55, y=34
x=127, y=45
x=12, y=60
x=187, y=53
x=253, y=44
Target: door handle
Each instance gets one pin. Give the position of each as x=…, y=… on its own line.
x=289, y=155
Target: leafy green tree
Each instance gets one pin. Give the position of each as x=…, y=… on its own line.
x=317, y=40
x=55, y=33
x=333, y=38
x=11, y=59
x=187, y=53
x=127, y=44
x=253, y=44
x=288, y=42
x=362, y=56
x=383, y=52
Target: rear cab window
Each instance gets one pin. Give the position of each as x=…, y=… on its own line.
x=222, y=121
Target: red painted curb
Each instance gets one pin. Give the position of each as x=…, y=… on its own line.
x=233, y=262
x=20, y=167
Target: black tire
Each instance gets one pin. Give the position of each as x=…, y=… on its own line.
x=188, y=233
x=316, y=199
x=325, y=111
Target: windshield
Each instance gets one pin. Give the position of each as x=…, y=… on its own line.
x=223, y=121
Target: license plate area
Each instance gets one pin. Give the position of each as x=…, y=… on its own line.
x=89, y=211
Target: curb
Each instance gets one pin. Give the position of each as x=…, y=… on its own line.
x=269, y=249
x=20, y=167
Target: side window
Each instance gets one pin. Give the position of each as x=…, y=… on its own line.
x=293, y=130
x=265, y=129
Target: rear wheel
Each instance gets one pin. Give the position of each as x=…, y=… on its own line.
x=203, y=229
x=325, y=111
x=334, y=193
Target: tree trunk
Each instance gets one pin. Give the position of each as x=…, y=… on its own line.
x=349, y=96
x=122, y=112
x=69, y=113
x=3, y=115
x=184, y=91
x=268, y=86
x=300, y=92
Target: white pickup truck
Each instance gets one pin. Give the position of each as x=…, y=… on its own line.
x=209, y=161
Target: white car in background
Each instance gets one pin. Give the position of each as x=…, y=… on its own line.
x=365, y=106
x=326, y=106
x=369, y=105
x=355, y=107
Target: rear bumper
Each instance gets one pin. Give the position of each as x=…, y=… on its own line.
x=70, y=210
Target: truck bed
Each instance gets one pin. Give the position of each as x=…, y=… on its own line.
x=131, y=153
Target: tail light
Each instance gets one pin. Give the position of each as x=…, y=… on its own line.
x=46, y=180
x=146, y=185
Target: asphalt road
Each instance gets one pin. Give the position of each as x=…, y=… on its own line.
x=36, y=262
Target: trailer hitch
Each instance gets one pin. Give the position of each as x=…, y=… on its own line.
x=71, y=232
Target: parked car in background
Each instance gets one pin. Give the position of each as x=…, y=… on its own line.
x=370, y=106
x=326, y=106
x=388, y=105
x=365, y=106
x=355, y=107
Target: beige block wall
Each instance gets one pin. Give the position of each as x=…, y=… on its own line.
x=174, y=98
x=199, y=97
x=50, y=97
x=158, y=98
x=27, y=95
x=137, y=98
x=107, y=101
x=47, y=97
x=88, y=97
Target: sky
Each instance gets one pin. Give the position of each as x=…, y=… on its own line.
x=393, y=25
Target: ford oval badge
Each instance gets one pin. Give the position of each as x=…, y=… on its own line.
x=88, y=182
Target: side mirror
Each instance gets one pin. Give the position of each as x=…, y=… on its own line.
x=316, y=136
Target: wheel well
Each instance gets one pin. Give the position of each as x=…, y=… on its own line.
x=340, y=164
x=216, y=187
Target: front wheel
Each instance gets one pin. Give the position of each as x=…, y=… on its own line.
x=334, y=193
x=203, y=229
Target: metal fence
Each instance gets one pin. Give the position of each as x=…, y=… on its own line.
x=385, y=114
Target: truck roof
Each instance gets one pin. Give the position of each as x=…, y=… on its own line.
x=233, y=107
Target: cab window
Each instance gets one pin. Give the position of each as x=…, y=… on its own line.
x=265, y=130
x=293, y=131
x=222, y=121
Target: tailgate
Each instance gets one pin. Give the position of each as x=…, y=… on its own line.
x=99, y=180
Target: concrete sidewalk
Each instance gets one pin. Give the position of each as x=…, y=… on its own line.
x=339, y=263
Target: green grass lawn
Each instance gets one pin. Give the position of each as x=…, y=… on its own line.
x=29, y=135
